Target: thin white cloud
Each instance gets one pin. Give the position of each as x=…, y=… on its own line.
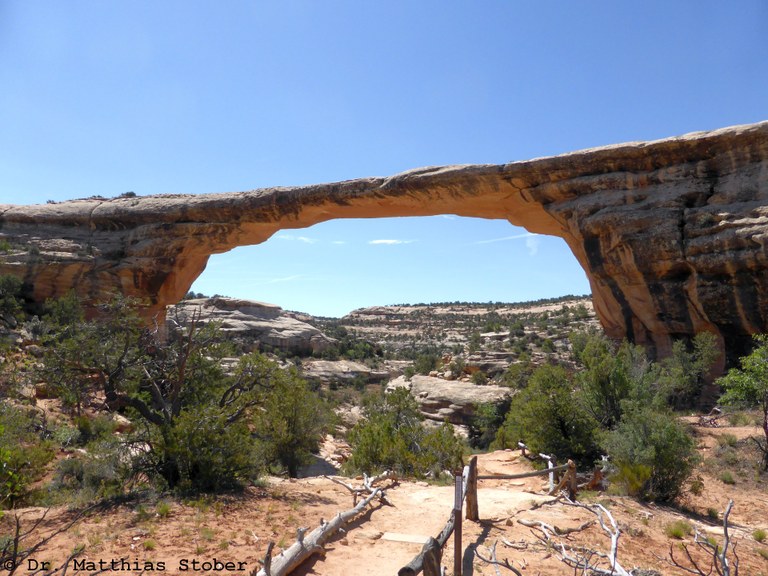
x=505, y=238
x=532, y=244
x=448, y=216
x=390, y=242
x=304, y=239
x=339, y=242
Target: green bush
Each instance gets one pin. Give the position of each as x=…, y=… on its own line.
x=391, y=437
x=684, y=372
x=10, y=299
x=202, y=452
x=23, y=454
x=291, y=422
x=196, y=428
x=727, y=478
x=748, y=386
x=656, y=441
x=100, y=473
x=545, y=416
x=487, y=420
x=678, y=529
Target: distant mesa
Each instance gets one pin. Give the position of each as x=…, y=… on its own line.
x=671, y=233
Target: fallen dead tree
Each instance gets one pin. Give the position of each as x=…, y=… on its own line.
x=588, y=560
x=308, y=544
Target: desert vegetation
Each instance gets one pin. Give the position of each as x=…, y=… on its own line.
x=102, y=407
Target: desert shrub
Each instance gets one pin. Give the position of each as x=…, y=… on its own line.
x=630, y=479
x=650, y=440
x=726, y=477
x=696, y=485
x=11, y=308
x=545, y=416
x=683, y=373
x=23, y=453
x=487, y=420
x=425, y=363
x=759, y=535
x=99, y=473
x=678, y=529
x=391, y=437
x=202, y=452
x=611, y=374
x=197, y=428
x=517, y=375
x=457, y=366
x=729, y=440
x=93, y=428
x=748, y=386
x=291, y=422
x=479, y=378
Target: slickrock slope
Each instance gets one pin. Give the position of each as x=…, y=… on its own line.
x=671, y=233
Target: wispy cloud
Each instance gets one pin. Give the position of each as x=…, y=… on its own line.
x=448, y=216
x=391, y=242
x=532, y=244
x=304, y=239
x=339, y=242
x=505, y=238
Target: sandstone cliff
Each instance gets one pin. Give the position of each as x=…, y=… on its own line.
x=672, y=233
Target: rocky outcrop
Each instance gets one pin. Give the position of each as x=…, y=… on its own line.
x=672, y=233
x=453, y=401
x=257, y=326
x=335, y=372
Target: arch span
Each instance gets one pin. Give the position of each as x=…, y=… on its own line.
x=671, y=234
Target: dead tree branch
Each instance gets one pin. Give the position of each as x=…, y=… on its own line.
x=495, y=562
x=308, y=544
x=587, y=560
x=717, y=555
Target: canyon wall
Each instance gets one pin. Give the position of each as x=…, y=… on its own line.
x=671, y=233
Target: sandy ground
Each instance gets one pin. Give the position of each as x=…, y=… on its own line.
x=235, y=530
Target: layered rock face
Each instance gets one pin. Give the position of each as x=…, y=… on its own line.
x=450, y=401
x=672, y=233
x=256, y=325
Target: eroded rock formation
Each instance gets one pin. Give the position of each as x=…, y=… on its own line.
x=255, y=325
x=450, y=401
x=672, y=233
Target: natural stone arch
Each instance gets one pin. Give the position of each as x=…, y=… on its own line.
x=671, y=233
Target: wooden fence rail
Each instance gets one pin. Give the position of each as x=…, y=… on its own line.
x=429, y=559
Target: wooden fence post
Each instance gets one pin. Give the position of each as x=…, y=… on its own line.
x=457, y=506
x=472, y=511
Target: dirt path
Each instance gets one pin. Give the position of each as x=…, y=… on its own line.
x=236, y=529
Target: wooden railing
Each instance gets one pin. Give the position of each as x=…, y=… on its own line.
x=429, y=559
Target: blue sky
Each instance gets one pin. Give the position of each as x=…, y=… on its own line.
x=104, y=97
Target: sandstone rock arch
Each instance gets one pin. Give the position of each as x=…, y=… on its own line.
x=671, y=234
